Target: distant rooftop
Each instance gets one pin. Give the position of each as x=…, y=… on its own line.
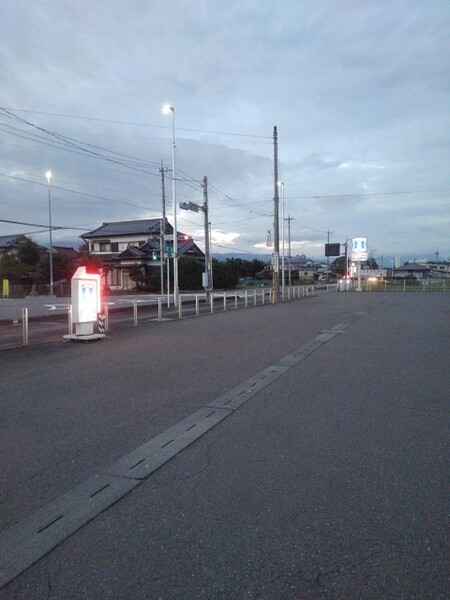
x=142, y=226
x=6, y=241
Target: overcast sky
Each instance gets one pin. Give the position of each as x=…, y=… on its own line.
x=358, y=89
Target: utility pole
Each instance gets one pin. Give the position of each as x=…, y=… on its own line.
x=207, y=274
x=289, y=219
x=328, y=258
x=276, y=224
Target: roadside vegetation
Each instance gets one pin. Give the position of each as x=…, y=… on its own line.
x=28, y=271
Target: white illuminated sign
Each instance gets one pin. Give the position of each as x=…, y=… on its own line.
x=85, y=296
x=359, y=249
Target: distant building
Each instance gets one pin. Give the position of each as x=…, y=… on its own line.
x=439, y=269
x=419, y=271
x=67, y=251
x=125, y=246
x=300, y=267
x=11, y=244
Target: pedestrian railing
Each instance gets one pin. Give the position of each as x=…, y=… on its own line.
x=397, y=285
x=135, y=311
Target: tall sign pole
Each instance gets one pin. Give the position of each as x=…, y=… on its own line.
x=359, y=254
x=328, y=257
x=276, y=224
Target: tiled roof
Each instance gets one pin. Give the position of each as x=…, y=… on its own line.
x=189, y=248
x=142, y=226
x=413, y=267
x=6, y=241
x=67, y=251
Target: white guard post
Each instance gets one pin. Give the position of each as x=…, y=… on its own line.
x=85, y=305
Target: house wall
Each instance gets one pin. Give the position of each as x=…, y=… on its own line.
x=439, y=269
x=115, y=244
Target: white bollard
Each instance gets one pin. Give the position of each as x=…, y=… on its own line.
x=25, y=326
x=69, y=320
x=160, y=309
x=106, y=313
x=135, y=312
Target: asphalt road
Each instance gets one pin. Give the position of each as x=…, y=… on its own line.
x=38, y=306
x=329, y=481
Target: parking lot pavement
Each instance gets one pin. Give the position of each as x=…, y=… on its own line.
x=327, y=478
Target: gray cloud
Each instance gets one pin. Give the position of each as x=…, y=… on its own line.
x=359, y=92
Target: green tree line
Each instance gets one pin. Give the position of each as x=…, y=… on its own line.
x=30, y=266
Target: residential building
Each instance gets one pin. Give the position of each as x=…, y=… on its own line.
x=126, y=246
x=439, y=269
x=301, y=267
x=419, y=271
x=10, y=244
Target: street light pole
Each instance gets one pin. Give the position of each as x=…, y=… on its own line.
x=166, y=110
x=276, y=222
x=49, y=179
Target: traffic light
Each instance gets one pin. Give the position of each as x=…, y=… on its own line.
x=155, y=255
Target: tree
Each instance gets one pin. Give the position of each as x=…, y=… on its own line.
x=257, y=266
x=11, y=267
x=190, y=273
x=29, y=253
x=245, y=268
x=338, y=265
x=88, y=260
x=226, y=274
x=63, y=268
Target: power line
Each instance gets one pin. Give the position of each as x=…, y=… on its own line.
x=46, y=228
x=35, y=112
x=77, y=145
x=62, y=189
x=134, y=163
x=367, y=194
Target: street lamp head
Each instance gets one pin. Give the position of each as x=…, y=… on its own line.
x=48, y=175
x=168, y=109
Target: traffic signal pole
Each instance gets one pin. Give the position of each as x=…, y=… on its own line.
x=207, y=274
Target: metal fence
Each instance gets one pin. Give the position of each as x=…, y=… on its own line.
x=407, y=285
x=60, y=290
x=123, y=313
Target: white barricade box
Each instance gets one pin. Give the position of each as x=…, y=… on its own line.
x=86, y=304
